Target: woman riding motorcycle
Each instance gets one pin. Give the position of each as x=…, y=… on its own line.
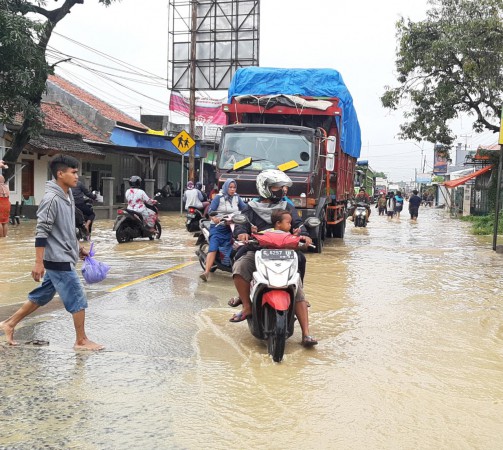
x=137, y=198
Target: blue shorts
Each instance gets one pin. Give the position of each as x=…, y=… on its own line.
x=67, y=284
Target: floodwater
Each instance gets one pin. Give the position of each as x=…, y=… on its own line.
x=409, y=319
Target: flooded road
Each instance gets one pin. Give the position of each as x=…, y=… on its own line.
x=409, y=319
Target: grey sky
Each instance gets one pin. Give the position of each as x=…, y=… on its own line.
x=356, y=38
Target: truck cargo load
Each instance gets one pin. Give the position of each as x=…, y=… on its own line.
x=316, y=83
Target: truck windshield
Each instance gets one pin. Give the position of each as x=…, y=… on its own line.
x=267, y=149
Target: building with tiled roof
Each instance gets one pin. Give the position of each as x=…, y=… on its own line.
x=110, y=145
x=89, y=108
x=56, y=118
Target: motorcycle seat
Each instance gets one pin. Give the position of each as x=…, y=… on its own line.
x=135, y=214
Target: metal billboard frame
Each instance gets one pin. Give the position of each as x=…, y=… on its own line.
x=216, y=37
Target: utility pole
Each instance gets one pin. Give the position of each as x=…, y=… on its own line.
x=466, y=136
x=192, y=113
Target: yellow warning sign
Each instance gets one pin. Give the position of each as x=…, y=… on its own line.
x=183, y=141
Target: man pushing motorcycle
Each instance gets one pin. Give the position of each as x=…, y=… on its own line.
x=270, y=185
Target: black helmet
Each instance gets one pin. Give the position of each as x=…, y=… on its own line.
x=135, y=181
x=199, y=185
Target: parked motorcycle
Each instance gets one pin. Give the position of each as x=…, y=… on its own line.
x=360, y=219
x=193, y=217
x=129, y=225
x=274, y=286
x=203, y=243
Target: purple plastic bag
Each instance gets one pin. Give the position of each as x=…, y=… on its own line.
x=94, y=271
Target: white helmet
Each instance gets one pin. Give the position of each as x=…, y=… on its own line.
x=270, y=178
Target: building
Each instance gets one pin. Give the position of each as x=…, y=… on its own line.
x=110, y=145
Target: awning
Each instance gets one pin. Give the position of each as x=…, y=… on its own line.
x=459, y=181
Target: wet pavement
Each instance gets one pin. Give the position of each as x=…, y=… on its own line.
x=409, y=318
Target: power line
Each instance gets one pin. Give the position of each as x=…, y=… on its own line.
x=112, y=58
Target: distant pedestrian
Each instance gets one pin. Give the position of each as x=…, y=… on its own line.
x=390, y=205
x=381, y=204
x=57, y=252
x=4, y=207
x=414, y=204
x=398, y=204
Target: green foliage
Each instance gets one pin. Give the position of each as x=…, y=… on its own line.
x=448, y=64
x=25, y=30
x=380, y=175
x=23, y=69
x=484, y=225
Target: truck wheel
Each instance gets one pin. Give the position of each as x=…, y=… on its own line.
x=320, y=238
x=339, y=229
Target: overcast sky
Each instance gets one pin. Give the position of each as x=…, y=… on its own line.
x=356, y=38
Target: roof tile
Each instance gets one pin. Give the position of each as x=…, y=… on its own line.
x=102, y=107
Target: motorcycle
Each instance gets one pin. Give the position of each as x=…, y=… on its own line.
x=129, y=225
x=360, y=219
x=80, y=229
x=203, y=243
x=82, y=233
x=274, y=286
x=193, y=217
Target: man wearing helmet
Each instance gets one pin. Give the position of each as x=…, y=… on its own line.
x=270, y=185
x=136, y=198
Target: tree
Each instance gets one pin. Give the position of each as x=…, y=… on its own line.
x=25, y=30
x=380, y=175
x=449, y=64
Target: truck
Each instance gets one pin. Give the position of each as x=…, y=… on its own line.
x=301, y=121
x=364, y=177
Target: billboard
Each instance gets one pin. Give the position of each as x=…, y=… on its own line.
x=440, y=159
x=217, y=36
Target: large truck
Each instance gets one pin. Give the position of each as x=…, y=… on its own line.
x=301, y=121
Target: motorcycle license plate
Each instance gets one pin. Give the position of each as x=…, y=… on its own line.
x=278, y=254
x=190, y=216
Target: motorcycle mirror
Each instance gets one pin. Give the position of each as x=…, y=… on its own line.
x=240, y=219
x=312, y=222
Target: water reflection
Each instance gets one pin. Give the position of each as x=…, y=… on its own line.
x=409, y=321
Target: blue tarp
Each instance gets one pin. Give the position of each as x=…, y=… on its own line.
x=305, y=82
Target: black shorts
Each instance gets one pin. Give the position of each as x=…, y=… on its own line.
x=87, y=210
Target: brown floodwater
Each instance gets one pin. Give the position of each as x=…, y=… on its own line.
x=409, y=319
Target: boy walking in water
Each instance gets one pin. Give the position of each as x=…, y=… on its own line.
x=56, y=254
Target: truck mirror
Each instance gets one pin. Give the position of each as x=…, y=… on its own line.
x=331, y=145
x=329, y=163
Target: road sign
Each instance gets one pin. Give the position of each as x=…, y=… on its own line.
x=183, y=141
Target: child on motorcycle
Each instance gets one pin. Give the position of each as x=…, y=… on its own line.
x=269, y=186
x=137, y=198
